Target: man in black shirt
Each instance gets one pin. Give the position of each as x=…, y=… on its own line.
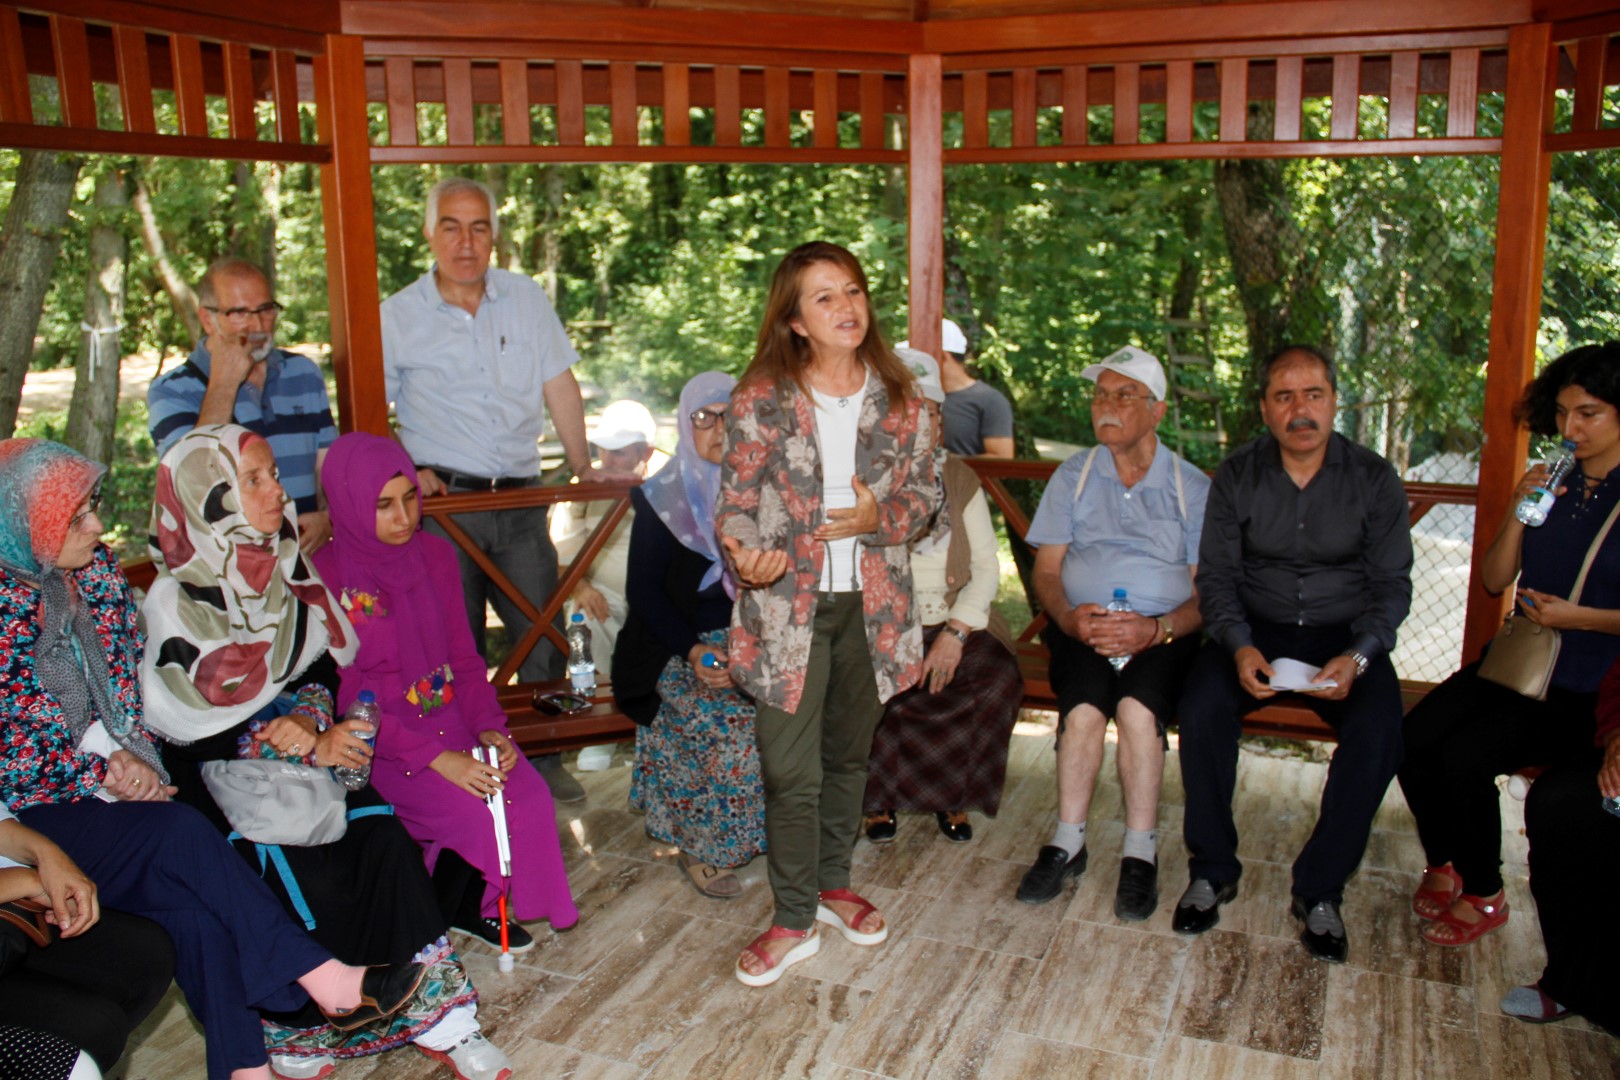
x=1306, y=554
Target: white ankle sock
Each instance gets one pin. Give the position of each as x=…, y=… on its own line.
x=1070, y=838
x=1141, y=845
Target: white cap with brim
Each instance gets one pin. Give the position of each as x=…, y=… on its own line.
x=1133, y=363
x=951, y=339
x=622, y=424
x=926, y=370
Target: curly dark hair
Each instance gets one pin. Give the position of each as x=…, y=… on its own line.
x=1593, y=368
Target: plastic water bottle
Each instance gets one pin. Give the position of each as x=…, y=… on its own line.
x=1534, y=507
x=581, y=668
x=364, y=707
x=1120, y=602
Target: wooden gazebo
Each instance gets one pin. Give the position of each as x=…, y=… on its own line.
x=372, y=69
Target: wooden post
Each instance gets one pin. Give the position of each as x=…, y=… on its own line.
x=1521, y=240
x=351, y=241
x=925, y=193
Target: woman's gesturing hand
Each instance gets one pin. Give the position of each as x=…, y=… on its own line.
x=859, y=520
x=756, y=569
x=468, y=773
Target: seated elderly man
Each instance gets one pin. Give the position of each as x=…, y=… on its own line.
x=1306, y=555
x=1126, y=516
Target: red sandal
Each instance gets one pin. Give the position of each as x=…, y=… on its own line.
x=1432, y=903
x=1449, y=930
x=775, y=968
x=848, y=929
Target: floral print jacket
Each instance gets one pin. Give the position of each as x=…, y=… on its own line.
x=770, y=498
x=40, y=762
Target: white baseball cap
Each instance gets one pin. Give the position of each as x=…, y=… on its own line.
x=1133, y=363
x=951, y=338
x=926, y=369
x=623, y=424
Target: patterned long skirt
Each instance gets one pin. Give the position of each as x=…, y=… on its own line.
x=948, y=751
x=697, y=769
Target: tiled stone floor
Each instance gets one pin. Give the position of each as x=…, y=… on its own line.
x=974, y=985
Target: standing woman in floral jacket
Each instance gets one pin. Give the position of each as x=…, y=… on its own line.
x=829, y=472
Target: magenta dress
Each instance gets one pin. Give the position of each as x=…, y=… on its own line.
x=417, y=656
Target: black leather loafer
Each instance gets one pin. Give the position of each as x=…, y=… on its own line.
x=958, y=832
x=384, y=990
x=1191, y=916
x=1044, y=880
x=1137, y=895
x=1323, y=936
x=881, y=829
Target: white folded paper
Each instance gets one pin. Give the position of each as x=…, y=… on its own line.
x=1290, y=674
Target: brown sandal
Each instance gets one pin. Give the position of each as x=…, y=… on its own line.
x=712, y=881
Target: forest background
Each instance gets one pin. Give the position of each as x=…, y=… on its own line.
x=660, y=271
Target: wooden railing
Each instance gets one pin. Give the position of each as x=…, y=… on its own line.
x=1586, y=52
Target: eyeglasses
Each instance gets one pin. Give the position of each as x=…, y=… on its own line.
x=243, y=314
x=76, y=522
x=1123, y=398
x=704, y=419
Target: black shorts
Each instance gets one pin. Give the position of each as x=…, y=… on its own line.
x=1080, y=676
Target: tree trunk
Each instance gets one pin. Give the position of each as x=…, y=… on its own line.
x=182, y=296
x=32, y=236
x=93, y=411
x=550, y=245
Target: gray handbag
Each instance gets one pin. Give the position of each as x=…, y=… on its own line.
x=278, y=802
x=1523, y=653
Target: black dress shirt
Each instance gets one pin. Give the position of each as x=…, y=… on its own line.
x=1337, y=553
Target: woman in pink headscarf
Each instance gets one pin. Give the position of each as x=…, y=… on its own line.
x=401, y=589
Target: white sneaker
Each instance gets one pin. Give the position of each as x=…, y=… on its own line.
x=474, y=1058
x=302, y=1066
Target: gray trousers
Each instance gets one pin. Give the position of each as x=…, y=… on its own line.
x=814, y=763
x=517, y=542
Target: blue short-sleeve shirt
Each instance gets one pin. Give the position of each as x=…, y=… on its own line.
x=469, y=389
x=1138, y=539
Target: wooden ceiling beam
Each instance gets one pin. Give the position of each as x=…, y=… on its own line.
x=298, y=29
x=1220, y=22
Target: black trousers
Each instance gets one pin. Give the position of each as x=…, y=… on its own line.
x=1574, y=876
x=91, y=990
x=1463, y=735
x=1368, y=723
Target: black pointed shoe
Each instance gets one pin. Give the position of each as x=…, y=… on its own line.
x=1137, y=895
x=956, y=826
x=1044, y=881
x=1323, y=936
x=881, y=827
x=1199, y=908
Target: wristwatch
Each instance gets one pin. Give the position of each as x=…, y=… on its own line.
x=957, y=632
x=1361, y=662
x=1169, y=631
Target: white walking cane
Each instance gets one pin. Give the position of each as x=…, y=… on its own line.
x=490, y=756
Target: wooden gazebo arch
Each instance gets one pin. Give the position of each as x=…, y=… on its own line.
x=570, y=83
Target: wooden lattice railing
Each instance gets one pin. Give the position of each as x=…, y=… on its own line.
x=1587, y=62
x=260, y=81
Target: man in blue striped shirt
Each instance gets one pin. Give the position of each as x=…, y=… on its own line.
x=236, y=375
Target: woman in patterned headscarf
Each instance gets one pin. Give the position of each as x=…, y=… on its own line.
x=244, y=644
x=78, y=766
x=697, y=768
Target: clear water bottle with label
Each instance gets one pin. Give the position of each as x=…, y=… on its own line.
x=1534, y=507
x=581, y=667
x=364, y=707
x=1120, y=602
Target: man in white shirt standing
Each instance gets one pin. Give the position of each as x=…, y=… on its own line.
x=473, y=359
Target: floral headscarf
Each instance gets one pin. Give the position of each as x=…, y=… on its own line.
x=235, y=613
x=684, y=492
x=42, y=484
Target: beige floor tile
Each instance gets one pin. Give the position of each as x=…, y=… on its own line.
x=615, y=896
x=865, y=967
x=531, y=1057
x=981, y=913
x=1386, y=937
x=1253, y=992
x=790, y=1029
x=1020, y=1057
x=1106, y=987
x=602, y=830
x=1273, y=827
x=918, y=860
x=1547, y=1051
x=907, y=1030
x=1194, y=1059
x=1381, y=1026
